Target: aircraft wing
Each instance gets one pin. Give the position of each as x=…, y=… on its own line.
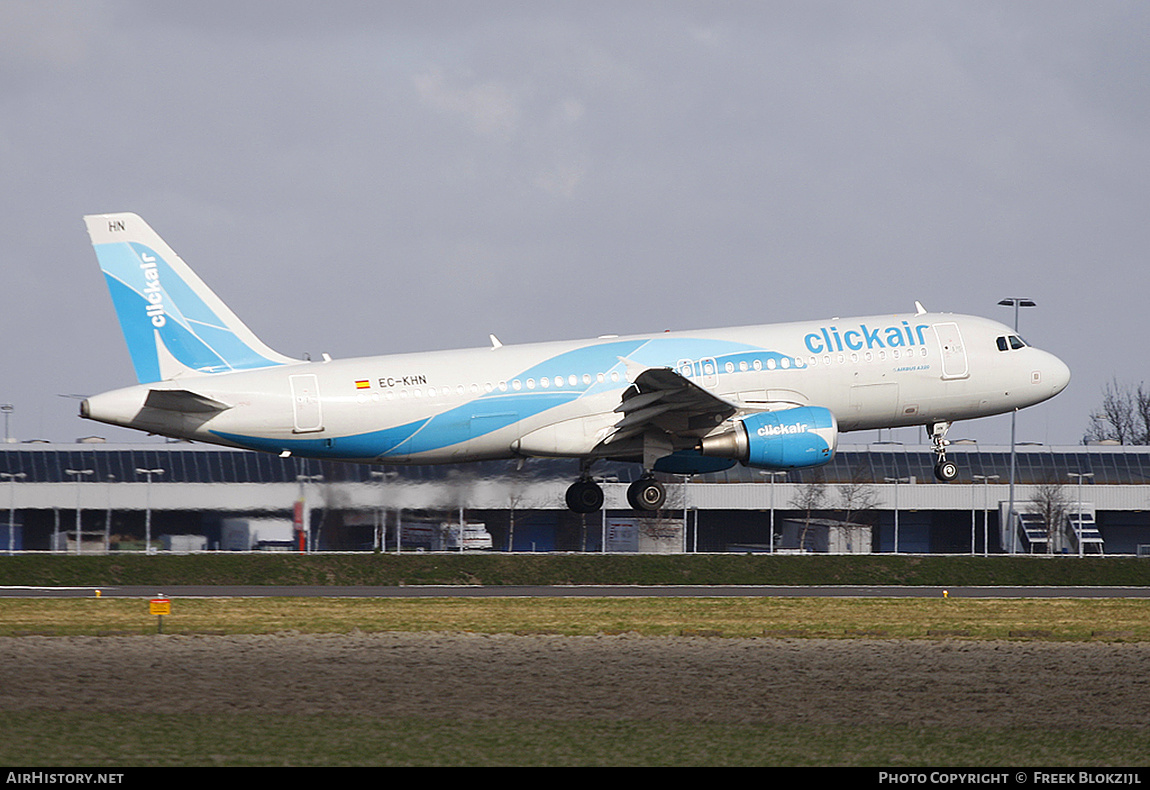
x=662, y=400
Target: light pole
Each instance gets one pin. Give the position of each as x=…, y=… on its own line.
x=985, y=512
x=1078, y=509
x=12, y=477
x=108, y=517
x=773, y=475
x=77, y=474
x=602, y=533
x=381, y=514
x=7, y=408
x=896, y=481
x=686, y=480
x=148, y=507
x=399, y=530
x=973, y=522
x=1015, y=302
x=603, y=519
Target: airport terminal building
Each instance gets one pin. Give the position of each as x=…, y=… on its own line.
x=871, y=498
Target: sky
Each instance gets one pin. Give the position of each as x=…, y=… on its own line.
x=360, y=178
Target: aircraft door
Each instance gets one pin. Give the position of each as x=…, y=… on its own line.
x=704, y=372
x=954, y=362
x=305, y=403
x=708, y=372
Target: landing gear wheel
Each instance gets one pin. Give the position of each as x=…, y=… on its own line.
x=946, y=471
x=646, y=494
x=584, y=496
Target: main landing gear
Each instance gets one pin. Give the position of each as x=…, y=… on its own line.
x=646, y=493
x=944, y=470
x=586, y=496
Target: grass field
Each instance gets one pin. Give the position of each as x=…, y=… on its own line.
x=106, y=740
x=42, y=735
x=109, y=738
x=1109, y=619
x=273, y=568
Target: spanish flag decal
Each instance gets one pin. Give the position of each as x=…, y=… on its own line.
x=363, y=384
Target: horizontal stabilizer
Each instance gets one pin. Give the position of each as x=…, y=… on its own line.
x=183, y=401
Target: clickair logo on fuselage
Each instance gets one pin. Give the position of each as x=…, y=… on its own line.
x=864, y=337
x=782, y=430
x=153, y=291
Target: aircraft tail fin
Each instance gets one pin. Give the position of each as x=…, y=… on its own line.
x=173, y=323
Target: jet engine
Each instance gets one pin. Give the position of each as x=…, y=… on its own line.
x=789, y=439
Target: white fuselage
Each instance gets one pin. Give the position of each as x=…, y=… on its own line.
x=561, y=398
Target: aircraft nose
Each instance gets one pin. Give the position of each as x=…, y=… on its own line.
x=1056, y=374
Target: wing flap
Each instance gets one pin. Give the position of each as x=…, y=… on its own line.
x=663, y=402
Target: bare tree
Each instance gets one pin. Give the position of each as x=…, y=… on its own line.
x=809, y=498
x=1052, y=504
x=858, y=499
x=516, y=495
x=514, y=498
x=1123, y=417
x=858, y=496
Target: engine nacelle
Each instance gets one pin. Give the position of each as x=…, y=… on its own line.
x=789, y=439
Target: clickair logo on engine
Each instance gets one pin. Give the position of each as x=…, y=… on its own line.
x=782, y=430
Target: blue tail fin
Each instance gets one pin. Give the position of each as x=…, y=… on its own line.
x=172, y=322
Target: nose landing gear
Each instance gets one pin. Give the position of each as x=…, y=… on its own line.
x=944, y=470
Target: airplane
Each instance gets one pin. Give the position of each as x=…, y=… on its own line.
x=685, y=402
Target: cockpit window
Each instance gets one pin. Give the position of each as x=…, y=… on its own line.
x=1010, y=343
